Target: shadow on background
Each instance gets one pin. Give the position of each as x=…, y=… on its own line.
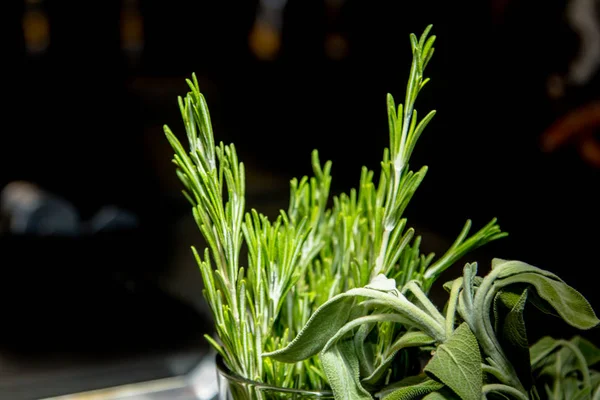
x=89, y=85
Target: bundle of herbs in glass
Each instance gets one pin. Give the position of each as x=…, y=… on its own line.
x=333, y=301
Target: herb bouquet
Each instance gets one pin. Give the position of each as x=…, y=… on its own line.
x=332, y=297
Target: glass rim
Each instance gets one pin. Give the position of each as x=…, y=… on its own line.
x=224, y=370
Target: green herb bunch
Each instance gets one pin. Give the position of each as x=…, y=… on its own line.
x=334, y=292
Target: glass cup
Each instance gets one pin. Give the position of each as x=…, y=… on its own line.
x=234, y=387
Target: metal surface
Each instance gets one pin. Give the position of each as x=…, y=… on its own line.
x=198, y=384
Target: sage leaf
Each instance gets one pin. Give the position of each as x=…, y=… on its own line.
x=572, y=307
x=333, y=314
x=513, y=336
x=364, y=349
x=368, y=319
x=469, y=275
x=501, y=391
x=340, y=364
x=382, y=283
x=407, y=389
x=533, y=394
x=504, y=301
x=574, y=361
x=540, y=350
x=573, y=392
x=441, y=395
x=410, y=380
x=567, y=369
x=596, y=395
x=572, y=357
x=448, y=285
x=588, y=349
x=476, y=282
x=457, y=364
x=496, y=262
x=541, y=304
x=405, y=309
x=496, y=396
x=409, y=339
x=595, y=380
x=320, y=327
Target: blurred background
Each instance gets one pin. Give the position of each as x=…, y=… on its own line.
x=98, y=286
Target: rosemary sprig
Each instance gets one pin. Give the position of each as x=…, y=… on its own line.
x=247, y=301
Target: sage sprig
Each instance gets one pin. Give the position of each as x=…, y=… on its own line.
x=468, y=358
x=565, y=368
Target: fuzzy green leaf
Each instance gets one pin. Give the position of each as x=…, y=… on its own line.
x=588, y=349
x=573, y=392
x=436, y=396
x=566, y=358
x=595, y=383
x=443, y=394
x=572, y=307
x=408, y=389
x=341, y=367
x=476, y=282
x=541, y=349
x=565, y=366
x=513, y=334
x=504, y=301
x=364, y=349
x=409, y=339
x=325, y=323
x=321, y=327
x=382, y=283
x=457, y=364
x=365, y=320
x=569, y=357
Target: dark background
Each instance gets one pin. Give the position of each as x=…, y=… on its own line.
x=82, y=119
